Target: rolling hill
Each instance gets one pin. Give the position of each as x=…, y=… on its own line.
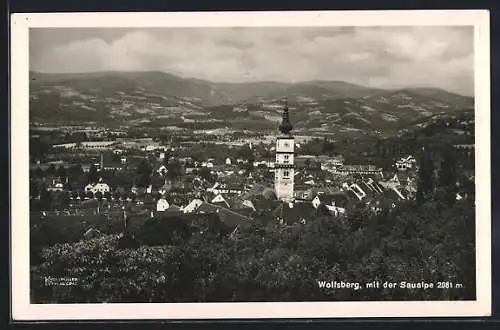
x=162, y=99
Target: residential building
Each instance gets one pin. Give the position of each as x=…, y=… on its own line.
x=405, y=163
x=162, y=205
x=358, y=169
x=100, y=187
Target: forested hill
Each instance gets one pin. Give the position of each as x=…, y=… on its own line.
x=156, y=98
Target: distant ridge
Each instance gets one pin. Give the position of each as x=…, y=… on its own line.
x=165, y=99
x=319, y=83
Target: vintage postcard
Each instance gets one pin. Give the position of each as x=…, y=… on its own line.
x=250, y=165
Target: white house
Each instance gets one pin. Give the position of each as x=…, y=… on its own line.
x=162, y=170
x=228, y=161
x=192, y=206
x=98, y=187
x=162, y=205
x=207, y=164
x=56, y=187
x=316, y=202
x=405, y=163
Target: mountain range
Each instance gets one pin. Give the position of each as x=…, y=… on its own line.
x=162, y=99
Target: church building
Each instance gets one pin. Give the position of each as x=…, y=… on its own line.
x=284, y=166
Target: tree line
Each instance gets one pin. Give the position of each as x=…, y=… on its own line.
x=268, y=262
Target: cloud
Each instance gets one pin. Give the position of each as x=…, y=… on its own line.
x=389, y=57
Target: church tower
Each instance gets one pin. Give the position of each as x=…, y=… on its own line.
x=284, y=165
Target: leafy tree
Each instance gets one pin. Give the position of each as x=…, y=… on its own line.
x=164, y=231
x=174, y=169
x=46, y=200
x=75, y=171
x=328, y=147
x=62, y=173
x=144, y=169
x=93, y=175
x=448, y=177
x=245, y=152
x=38, y=173
x=34, y=191
x=425, y=182
x=38, y=148
x=176, y=259
x=205, y=174
x=51, y=170
x=98, y=195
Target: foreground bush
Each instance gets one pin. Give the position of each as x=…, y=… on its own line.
x=272, y=263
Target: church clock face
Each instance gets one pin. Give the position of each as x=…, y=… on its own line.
x=286, y=144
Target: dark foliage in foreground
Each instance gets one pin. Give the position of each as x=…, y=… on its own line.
x=432, y=242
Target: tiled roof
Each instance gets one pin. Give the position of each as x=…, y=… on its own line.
x=296, y=213
x=340, y=199
x=393, y=194
x=264, y=205
x=221, y=204
x=230, y=218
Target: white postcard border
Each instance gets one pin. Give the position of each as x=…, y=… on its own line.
x=23, y=310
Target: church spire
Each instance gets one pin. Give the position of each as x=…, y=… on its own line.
x=285, y=126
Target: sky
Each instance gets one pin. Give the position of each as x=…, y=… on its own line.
x=381, y=57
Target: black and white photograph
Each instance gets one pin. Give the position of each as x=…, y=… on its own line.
x=253, y=163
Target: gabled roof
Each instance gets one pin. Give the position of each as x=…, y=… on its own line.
x=173, y=209
x=296, y=213
x=228, y=217
x=264, y=205
x=91, y=233
x=247, y=212
x=367, y=187
x=207, y=208
x=232, y=219
x=257, y=189
x=351, y=195
x=378, y=187
x=400, y=193
x=221, y=204
x=238, y=203
x=394, y=194
x=340, y=199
